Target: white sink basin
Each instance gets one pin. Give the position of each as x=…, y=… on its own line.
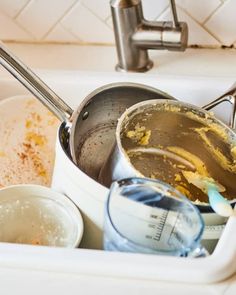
x=73, y=87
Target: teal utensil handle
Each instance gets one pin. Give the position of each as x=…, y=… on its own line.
x=218, y=203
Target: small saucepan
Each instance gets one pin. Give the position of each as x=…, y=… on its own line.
x=162, y=138
x=92, y=125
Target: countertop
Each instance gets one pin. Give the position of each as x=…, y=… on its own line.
x=193, y=62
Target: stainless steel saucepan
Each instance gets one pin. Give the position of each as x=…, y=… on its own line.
x=91, y=127
x=163, y=138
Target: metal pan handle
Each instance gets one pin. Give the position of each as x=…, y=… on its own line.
x=34, y=84
x=229, y=96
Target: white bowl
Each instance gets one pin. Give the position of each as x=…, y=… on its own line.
x=37, y=215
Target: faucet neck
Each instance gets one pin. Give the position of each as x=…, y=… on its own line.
x=134, y=35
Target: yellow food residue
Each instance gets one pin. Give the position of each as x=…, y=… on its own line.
x=223, y=161
x=172, y=108
x=183, y=190
x=233, y=152
x=28, y=124
x=37, y=139
x=2, y=154
x=177, y=177
x=30, y=102
x=197, y=163
x=145, y=139
x=139, y=134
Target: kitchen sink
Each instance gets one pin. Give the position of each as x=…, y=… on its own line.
x=73, y=87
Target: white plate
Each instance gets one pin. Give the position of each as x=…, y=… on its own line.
x=27, y=147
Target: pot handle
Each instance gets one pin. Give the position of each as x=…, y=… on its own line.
x=229, y=96
x=34, y=84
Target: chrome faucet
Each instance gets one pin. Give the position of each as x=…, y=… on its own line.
x=134, y=35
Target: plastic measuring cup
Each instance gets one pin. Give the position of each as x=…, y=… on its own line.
x=149, y=216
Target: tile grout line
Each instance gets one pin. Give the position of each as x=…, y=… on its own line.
x=19, y=24
x=13, y=20
x=70, y=32
x=83, y=43
x=224, y=2
x=107, y=21
x=202, y=26
x=94, y=14
x=212, y=13
x=163, y=12
x=76, y=43
x=60, y=19
x=25, y=30
x=84, y=4
x=22, y=8
x=212, y=34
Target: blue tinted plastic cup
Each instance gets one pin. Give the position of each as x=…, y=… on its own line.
x=149, y=216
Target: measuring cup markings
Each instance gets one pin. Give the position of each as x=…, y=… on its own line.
x=182, y=235
x=160, y=226
x=146, y=218
x=175, y=235
x=153, y=226
x=151, y=222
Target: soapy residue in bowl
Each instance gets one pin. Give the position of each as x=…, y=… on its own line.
x=34, y=220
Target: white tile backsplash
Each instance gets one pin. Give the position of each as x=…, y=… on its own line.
x=12, y=7
x=211, y=22
x=87, y=26
x=152, y=9
x=40, y=16
x=101, y=8
x=199, y=10
x=223, y=23
x=9, y=30
x=60, y=34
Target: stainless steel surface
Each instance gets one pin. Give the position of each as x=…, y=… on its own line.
x=134, y=35
x=94, y=133
x=174, y=13
x=34, y=84
x=229, y=96
x=172, y=126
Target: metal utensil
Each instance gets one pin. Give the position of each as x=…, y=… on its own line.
x=230, y=97
x=112, y=100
